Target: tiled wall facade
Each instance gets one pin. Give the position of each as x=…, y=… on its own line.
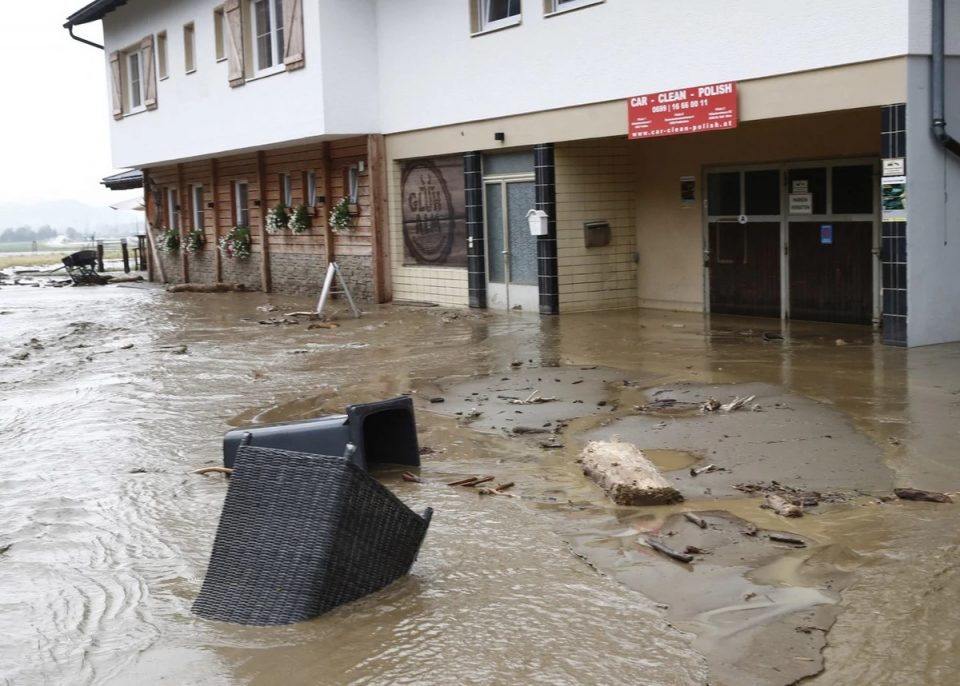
x=544, y=168
x=596, y=181
x=893, y=249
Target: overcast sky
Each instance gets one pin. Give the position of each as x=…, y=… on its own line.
x=54, y=140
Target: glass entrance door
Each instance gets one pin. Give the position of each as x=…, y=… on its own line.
x=511, y=250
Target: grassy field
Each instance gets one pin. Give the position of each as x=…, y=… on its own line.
x=46, y=259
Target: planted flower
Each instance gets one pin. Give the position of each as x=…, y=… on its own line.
x=340, y=216
x=236, y=243
x=195, y=241
x=299, y=220
x=277, y=219
x=169, y=241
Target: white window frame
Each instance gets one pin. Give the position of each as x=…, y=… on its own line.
x=310, y=196
x=219, y=34
x=484, y=24
x=286, y=190
x=353, y=185
x=242, y=209
x=198, y=216
x=189, y=48
x=275, y=17
x=561, y=6
x=128, y=82
x=173, y=213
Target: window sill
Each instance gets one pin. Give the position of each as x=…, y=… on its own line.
x=264, y=73
x=164, y=77
x=190, y=71
x=133, y=112
x=573, y=6
x=222, y=59
x=499, y=26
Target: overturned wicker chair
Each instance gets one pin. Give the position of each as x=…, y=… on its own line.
x=301, y=534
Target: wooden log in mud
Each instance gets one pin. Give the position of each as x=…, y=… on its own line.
x=214, y=470
x=782, y=506
x=218, y=287
x=669, y=552
x=625, y=475
x=917, y=494
x=694, y=519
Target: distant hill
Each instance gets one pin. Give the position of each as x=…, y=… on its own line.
x=60, y=214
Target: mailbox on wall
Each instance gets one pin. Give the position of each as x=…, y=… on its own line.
x=596, y=234
x=537, y=219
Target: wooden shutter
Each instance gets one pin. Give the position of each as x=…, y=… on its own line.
x=117, y=85
x=293, y=34
x=149, y=73
x=234, y=17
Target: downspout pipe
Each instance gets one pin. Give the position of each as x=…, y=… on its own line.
x=938, y=125
x=69, y=28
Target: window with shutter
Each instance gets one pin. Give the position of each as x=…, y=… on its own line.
x=293, y=34
x=148, y=73
x=116, y=80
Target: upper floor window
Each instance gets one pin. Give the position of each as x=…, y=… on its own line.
x=218, y=34
x=189, y=48
x=310, y=183
x=286, y=190
x=173, y=209
x=133, y=79
x=162, y=54
x=353, y=185
x=267, y=35
x=497, y=14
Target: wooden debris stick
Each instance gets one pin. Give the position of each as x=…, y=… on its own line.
x=782, y=506
x=792, y=540
x=413, y=478
x=736, y=403
x=669, y=552
x=697, y=471
x=917, y=494
x=472, y=481
x=214, y=470
x=694, y=519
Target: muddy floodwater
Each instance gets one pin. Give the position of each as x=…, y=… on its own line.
x=111, y=396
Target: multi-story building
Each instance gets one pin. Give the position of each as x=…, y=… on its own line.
x=771, y=159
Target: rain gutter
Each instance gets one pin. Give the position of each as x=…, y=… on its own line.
x=938, y=125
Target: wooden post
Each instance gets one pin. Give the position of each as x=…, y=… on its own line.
x=264, y=246
x=142, y=264
x=215, y=187
x=126, y=255
x=181, y=221
x=380, y=225
x=100, y=256
x=327, y=204
x=149, y=201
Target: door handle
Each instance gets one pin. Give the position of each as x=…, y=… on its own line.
x=505, y=252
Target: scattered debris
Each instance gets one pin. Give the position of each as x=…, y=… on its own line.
x=782, y=506
x=413, y=478
x=278, y=321
x=784, y=538
x=626, y=475
x=20, y=356
x=498, y=490
x=267, y=308
x=533, y=399
x=797, y=495
x=669, y=552
x=749, y=595
x=712, y=405
x=519, y=430
x=214, y=470
x=694, y=550
x=694, y=519
x=917, y=494
x=771, y=336
x=323, y=325
x=218, y=287
x=437, y=399
x=697, y=471
x=751, y=530
x=516, y=363
x=5, y=548
x=472, y=481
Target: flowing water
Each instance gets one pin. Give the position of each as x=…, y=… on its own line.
x=106, y=533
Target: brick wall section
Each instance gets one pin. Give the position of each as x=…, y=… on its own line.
x=201, y=266
x=245, y=271
x=297, y=274
x=358, y=274
x=172, y=268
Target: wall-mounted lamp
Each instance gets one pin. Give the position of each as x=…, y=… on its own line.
x=361, y=166
x=256, y=203
x=210, y=205
x=499, y=136
x=321, y=200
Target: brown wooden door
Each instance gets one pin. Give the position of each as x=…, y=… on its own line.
x=745, y=268
x=831, y=271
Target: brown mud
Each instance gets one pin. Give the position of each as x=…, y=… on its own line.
x=112, y=396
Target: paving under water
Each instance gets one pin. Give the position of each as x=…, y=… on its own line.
x=110, y=397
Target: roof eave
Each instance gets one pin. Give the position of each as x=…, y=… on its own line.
x=94, y=11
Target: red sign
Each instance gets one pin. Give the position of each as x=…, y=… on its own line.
x=686, y=110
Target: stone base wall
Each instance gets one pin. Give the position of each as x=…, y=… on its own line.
x=172, y=267
x=297, y=273
x=202, y=267
x=357, y=271
x=245, y=271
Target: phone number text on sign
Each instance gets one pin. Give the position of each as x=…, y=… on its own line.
x=686, y=110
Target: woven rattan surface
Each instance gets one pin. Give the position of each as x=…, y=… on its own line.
x=301, y=534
